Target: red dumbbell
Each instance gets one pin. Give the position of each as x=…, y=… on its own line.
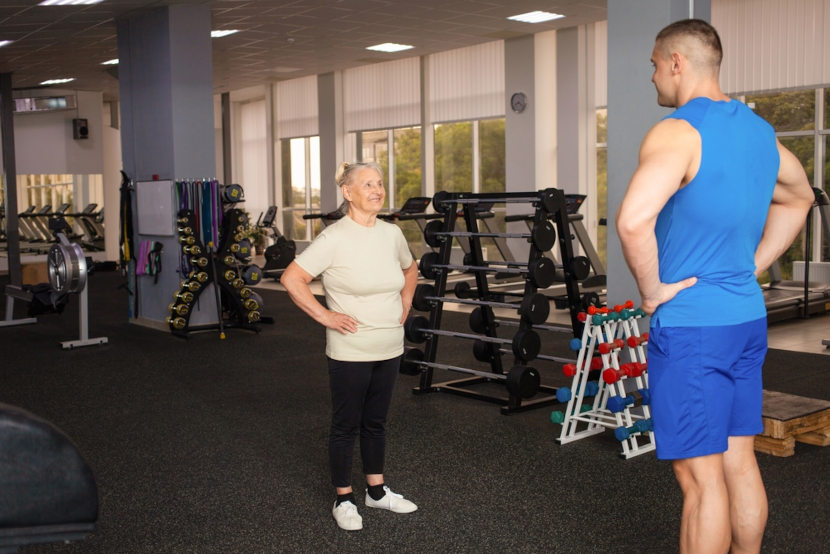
x=570, y=369
x=628, y=304
x=607, y=347
x=637, y=341
x=633, y=369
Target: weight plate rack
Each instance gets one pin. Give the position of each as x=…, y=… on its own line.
x=522, y=381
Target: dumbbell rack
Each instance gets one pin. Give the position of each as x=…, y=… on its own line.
x=220, y=268
x=611, y=333
x=522, y=382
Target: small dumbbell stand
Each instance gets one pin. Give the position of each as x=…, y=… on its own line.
x=217, y=270
x=611, y=333
x=522, y=382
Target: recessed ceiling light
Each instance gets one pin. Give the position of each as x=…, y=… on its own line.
x=5, y=42
x=57, y=81
x=285, y=69
x=389, y=47
x=113, y=61
x=223, y=33
x=69, y=2
x=536, y=17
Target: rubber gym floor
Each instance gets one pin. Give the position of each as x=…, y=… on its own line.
x=203, y=445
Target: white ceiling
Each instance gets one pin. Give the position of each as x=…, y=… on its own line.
x=277, y=39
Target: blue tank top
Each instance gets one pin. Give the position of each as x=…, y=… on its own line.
x=711, y=227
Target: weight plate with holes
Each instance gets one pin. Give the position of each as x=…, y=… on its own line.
x=67, y=269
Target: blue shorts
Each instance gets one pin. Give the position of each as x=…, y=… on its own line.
x=705, y=386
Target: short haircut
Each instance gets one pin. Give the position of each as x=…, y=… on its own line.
x=699, y=30
x=345, y=171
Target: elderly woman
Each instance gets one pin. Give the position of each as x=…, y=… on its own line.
x=369, y=278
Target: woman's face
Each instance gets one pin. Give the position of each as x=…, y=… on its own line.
x=365, y=191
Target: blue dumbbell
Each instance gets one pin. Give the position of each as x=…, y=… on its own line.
x=575, y=344
x=640, y=426
x=617, y=403
x=645, y=394
x=563, y=394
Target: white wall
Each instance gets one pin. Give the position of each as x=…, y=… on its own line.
x=43, y=140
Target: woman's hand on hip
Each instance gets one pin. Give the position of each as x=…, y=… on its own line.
x=341, y=323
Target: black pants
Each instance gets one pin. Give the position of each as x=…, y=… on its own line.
x=360, y=397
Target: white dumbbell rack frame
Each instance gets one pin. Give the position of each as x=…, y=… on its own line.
x=579, y=424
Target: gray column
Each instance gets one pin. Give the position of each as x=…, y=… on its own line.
x=519, y=130
x=632, y=107
x=330, y=117
x=9, y=178
x=166, y=92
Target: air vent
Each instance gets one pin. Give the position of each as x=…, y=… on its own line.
x=44, y=104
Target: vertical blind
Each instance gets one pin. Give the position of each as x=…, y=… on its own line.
x=296, y=107
x=773, y=44
x=383, y=95
x=467, y=83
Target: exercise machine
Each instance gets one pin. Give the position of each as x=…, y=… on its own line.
x=279, y=254
x=787, y=299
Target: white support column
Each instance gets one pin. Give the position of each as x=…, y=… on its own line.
x=427, y=134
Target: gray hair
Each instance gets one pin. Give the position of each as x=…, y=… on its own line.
x=345, y=172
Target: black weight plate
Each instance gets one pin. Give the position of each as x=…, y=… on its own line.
x=526, y=345
x=439, y=202
x=523, y=381
x=477, y=320
x=580, y=267
x=413, y=326
x=427, y=265
x=542, y=272
x=430, y=230
x=483, y=351
x=544, y=236
x=409, y=363
x=419, y=299
x=462, y=289
x=535, y=308
x=552, y=200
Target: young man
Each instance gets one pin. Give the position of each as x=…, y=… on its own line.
x=714, y=201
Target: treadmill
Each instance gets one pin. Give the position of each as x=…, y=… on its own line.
x=791, y=299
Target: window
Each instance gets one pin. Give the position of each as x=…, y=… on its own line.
x=454, y=156
x=470, y=156
x=793, y=115
x=301, y=190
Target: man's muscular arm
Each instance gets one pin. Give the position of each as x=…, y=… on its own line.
x=791, y=200
x=669, y=157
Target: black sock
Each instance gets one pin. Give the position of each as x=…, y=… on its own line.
x=376, y=492
x=349, y=496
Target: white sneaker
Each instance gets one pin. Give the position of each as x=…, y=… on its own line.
x=347, y=517
x=392, y=502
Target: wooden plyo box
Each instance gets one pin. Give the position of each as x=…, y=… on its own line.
x=789, y=418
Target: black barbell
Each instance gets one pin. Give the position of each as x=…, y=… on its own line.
x=540, y=271
x=543, y=235
x=462, y=289
x=535, y=308
x=550, y=200
x=522, y=381
x=485, y=352
x=525, y=343
x=579, y=266
x=479, y=325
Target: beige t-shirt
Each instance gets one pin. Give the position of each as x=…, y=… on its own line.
x=362, y=269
